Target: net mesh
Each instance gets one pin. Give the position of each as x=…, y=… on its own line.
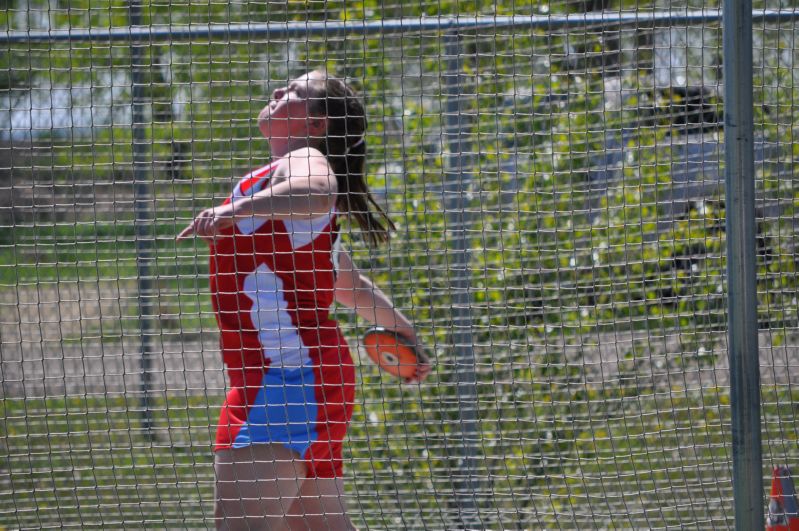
x=559, y=199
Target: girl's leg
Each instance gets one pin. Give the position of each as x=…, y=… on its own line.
x=320, y=505
x=256, y=486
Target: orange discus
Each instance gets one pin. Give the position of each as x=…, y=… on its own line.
x=391, y=352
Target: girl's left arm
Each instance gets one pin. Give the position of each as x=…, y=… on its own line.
x=308, y=191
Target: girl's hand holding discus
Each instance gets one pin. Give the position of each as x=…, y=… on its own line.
x=398, y=352
x=423, y=365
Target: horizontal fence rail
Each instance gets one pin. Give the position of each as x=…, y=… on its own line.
x=284, y=30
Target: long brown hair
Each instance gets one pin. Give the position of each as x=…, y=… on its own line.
x=345, y=148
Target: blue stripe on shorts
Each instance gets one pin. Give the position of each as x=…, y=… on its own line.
x=284, y=411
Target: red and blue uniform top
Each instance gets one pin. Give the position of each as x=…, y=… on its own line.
x=290, y=372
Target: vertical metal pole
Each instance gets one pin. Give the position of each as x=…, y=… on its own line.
x=741, y=272
x=456, y=184
x=142, y=196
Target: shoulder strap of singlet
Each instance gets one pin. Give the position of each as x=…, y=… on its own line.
x=254, y=181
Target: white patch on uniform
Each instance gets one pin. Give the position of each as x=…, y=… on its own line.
x=304, y=231
x=250, y=225
x=279, y=338
x=335, y=255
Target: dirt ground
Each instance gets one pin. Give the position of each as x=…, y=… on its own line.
x=64, y=339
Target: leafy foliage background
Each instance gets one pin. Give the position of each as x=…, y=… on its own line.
x=594, y=243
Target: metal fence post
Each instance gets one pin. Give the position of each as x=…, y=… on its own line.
x=741, y=267
x=142, y=196
x=456, y=183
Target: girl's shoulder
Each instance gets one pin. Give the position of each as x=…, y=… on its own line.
x=302, y=162
x=306, y=152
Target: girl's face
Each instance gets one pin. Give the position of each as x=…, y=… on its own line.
x=288, y=115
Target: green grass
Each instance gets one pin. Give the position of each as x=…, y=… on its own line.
x=93, y=250
x=591, y=458
x=89, y=461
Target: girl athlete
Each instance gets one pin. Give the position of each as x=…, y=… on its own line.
x=275, y=270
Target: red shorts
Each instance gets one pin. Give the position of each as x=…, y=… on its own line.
x=307, y=409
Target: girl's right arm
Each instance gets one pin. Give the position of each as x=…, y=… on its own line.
x=355, y=290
